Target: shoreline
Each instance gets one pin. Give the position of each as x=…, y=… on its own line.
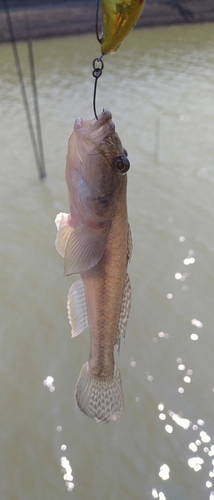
x=79, y=18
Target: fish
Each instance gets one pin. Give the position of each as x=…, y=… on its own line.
x=118, y=17
x=95, y=240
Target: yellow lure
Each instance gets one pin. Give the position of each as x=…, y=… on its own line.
x=119, y=17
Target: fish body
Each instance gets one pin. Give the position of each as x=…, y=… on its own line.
x=119, y=17
x=95, y=241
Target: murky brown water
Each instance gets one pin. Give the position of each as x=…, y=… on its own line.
x=159, y=87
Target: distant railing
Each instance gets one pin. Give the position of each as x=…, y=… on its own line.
x=23, y=4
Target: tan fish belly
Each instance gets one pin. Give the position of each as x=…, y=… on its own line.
x=104, y=285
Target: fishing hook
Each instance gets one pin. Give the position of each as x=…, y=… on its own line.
x=97, y=72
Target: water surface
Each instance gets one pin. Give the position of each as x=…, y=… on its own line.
x=159, y=87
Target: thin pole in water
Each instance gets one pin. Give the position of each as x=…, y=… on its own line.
x=36, y=108
x=157, y=138
x=23, y=91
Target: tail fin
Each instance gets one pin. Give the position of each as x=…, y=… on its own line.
x=100, y=398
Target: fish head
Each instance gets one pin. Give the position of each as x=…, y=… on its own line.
x=96, y=169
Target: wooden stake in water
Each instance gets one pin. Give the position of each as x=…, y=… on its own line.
x=157, y=138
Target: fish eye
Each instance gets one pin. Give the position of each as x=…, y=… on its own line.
x=121, y=164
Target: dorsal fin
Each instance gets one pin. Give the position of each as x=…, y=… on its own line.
x=129, y=244
x=124, y=312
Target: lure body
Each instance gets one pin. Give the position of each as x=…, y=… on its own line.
x=119, y=17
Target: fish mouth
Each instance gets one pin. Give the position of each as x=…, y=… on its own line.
x=96, y=128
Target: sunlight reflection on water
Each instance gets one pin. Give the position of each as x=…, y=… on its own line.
x=65, y=464
x=164, y=472
x=197, y=462
x=49, y=383
x=67, y=473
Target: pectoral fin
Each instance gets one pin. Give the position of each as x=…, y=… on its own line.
x=84, y=249
x=124, y=312
x=76, y=306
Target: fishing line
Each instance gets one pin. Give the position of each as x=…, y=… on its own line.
x=97, y=72
x=98, y=64
x=99, y=38
x=118, y=19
